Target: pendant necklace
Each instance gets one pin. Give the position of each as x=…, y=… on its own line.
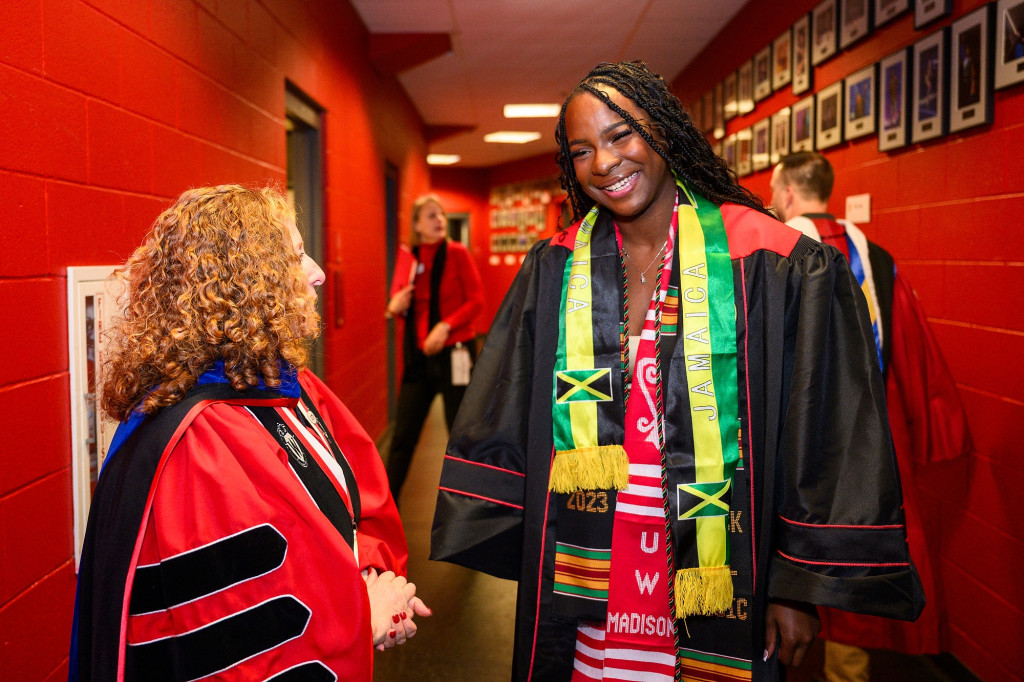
x=643, y=273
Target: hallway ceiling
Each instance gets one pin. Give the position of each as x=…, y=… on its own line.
x=528, y=52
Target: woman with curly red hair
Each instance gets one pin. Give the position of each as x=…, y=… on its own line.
x=242, y=524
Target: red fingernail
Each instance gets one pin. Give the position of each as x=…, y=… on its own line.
x=403, y=616
x=391, y=634
x=395, y=618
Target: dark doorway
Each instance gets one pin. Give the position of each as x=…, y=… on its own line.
x=303, y=119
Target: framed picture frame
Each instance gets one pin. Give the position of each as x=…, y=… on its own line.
x=861, y=111
x=729, y=151
x=829, y=116
x=707, y=121
x=1009, y=49
x=730, y=107
x=801, y=137
x=930, y=86
x=887, y=10
x=782, y=60
x=779, y=136
x=970, y=70
x=825, y=26
x=803, y=74
x=744, y=162
x=893, y=100
x=745, y=87
x=761, y=154
x=927, y=11
x=854, y=21
x=718, y=113
x=763, y=73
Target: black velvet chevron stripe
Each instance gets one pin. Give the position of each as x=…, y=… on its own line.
x=206, y=570
x=218, y=646
x=314, y=671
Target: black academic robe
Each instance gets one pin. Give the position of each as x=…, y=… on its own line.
x=816, y=504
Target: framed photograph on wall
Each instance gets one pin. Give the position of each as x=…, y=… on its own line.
x=861, y=112
x=780, y=136
x=744, y=164
x=718, y=130
x=854, y=21
x=927, y=11
x=729, y=151
x=894, y=91
x=829, y=116
x=745, y=87
x=929, y=87
x=782, y=60
x=729, y=106
x=825, y=25
x=1009, y=60
x=707, y=119
x=761, y=155
x=763, y=73
x=970, y=72
x=886, y=10
x=803, y=75
x=801, y=138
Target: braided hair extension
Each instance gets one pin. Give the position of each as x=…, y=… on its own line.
x=688, y=154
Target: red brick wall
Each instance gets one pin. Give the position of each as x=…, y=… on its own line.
x=108, y=110
x=949, y=211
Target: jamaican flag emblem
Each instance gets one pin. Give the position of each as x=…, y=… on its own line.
x=583, y=385
x=702, y=499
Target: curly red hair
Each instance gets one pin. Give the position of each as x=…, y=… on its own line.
x=216, y=278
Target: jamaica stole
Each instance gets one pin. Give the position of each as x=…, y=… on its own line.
x=590, y=463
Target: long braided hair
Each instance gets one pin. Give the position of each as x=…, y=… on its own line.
x=688, y=152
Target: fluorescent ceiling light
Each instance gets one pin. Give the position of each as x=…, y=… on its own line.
x=532, y=110
x=511, y=136
x=443, y=159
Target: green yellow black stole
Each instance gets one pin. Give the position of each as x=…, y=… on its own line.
x=587, y=416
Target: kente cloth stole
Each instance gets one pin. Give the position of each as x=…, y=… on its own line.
x=590, y=459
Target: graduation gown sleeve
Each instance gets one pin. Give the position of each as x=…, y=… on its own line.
x=479, y=513
x=380, y=537
x=839, y=537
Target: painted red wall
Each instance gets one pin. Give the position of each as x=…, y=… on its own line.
x=108, y=110
x=949, y=211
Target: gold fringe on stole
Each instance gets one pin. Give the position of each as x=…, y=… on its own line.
x=602, y=467
x=703, y=591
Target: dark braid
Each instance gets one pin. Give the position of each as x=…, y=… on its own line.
x=689, y=154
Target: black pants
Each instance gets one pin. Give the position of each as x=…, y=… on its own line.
x=420, y=384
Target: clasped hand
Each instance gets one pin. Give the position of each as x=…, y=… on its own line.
x=393, y=603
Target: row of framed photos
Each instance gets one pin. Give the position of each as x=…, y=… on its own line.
x=943, y=83
x=832, y=25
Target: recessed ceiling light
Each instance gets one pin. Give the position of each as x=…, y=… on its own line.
x=532, y=110
x=511, y=136
x=443, y=159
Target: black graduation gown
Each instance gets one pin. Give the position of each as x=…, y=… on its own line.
x=826, y=507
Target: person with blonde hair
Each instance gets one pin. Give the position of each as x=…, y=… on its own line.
x=439, y=302
x=242, y=525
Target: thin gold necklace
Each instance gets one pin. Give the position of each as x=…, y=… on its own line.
x=643, y=273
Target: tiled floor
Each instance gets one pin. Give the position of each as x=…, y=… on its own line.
x=469, y=637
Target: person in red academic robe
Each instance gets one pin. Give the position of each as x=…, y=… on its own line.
x=242, y=527
x=926, y=416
